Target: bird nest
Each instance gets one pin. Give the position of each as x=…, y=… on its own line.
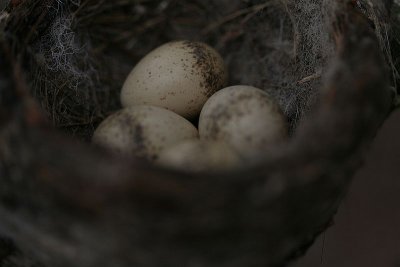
x=63, y=202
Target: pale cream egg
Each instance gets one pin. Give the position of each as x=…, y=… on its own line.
x=246, y=118
x=196, y=156
x=143, y=131
x=179, y=76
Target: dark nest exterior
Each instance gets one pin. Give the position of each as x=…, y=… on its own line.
x=332, y=65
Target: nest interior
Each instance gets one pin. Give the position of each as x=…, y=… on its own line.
x=80, y=62
x=64, y=203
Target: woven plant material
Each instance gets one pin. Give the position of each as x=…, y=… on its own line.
x=62, y=63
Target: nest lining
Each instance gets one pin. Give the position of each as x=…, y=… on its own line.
x=79, y=64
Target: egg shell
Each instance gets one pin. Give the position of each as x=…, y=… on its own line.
x=179, y=76
x=197, y=156
x=245, y=117
x=143, y=131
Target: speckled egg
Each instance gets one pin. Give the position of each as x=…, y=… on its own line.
x=245, y=117
x=197, y=156
x=143, y=131
x=179, y=76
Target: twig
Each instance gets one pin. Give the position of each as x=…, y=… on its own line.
x=253, y=9
x=307, y=79
x=67, y=125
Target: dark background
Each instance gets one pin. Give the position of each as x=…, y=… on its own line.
x=366, y=230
